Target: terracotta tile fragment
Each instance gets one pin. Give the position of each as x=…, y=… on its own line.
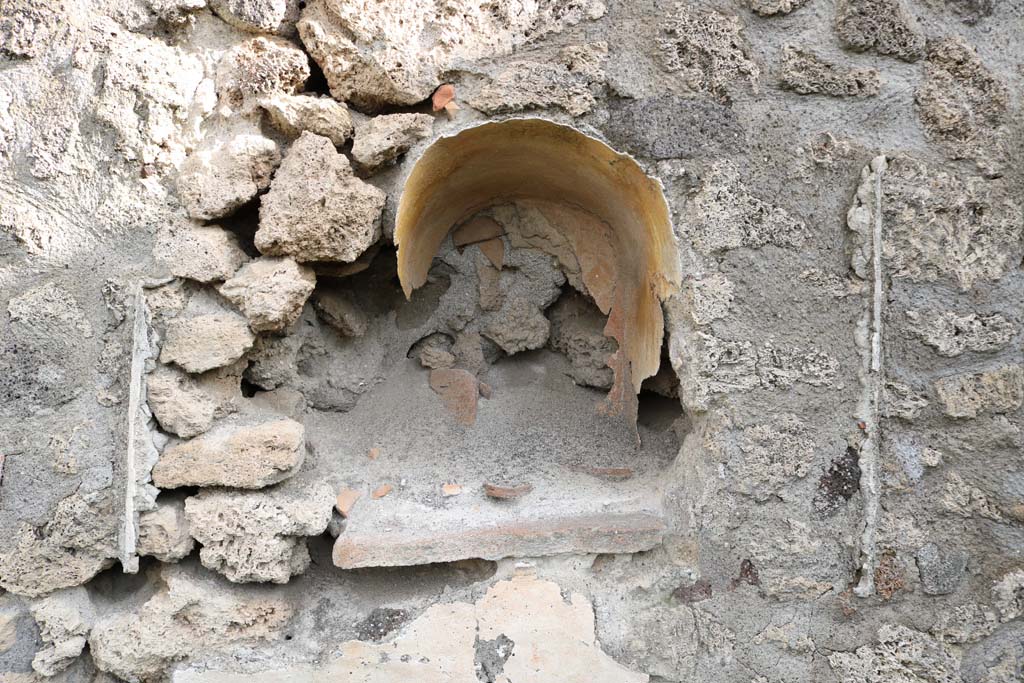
x=451, y=490
x=346, y=500
x=475, y=230
x=611, y=473
x=382, y=491
x=494, y=250
x=458, y=391
x=442, y=96
x=507, y=492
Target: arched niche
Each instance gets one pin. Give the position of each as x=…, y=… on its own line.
x=613, y=215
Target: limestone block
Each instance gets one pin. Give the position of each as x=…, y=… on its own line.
x=205, y=342
x=187, y=405
x=257, y=68
x=204, y=253
x=971, y=394
x=899, y=655
x=941, y=569
x=338, y=309
x=259, y=16
x=225, y=173
x=884, y=26
x=577, y=330
x=163, y=532
x=317, y=210
x=707, y=51
x=270, y=291
x=765, y=459
x=238, y=454
x=191, y=613
x=292, y=114
x=259, y=536
x=805, y=73
x=518, y=326
x=382, y=139
x=951, y=333
x=64, y=620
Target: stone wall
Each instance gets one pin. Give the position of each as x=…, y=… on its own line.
x=239, y=441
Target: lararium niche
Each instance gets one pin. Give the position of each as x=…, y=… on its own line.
x=535, y=260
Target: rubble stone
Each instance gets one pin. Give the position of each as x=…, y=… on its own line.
x=224, y=174
x=339, y=310
x=292, y=114
x=767, y=458
x=900, y=655
x=941, y=570
x=163, y=532
x=205, y=342
x=257, y=68
x=204, y=253
x=971, y=394
x=259, y=16
x=951, y=333
x=767, y=8
x=382, y=139
x=707, y=50
x=708, y=297
x=237, y=454
x=533, y=85
x=577, y=330
x=187, y=405
x=959, y=99
x=1008, y=593
x=395, y=52
x=270, y=292
x=880, y=25
x=807, y=74
x=259, y=536
x=64, y=620
x=519, y=326
x=192, y=610
x=317, y=210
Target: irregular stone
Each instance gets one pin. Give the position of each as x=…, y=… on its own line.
x=204, y=253
x=900, y=400
x=458, y=391
x=396, y=52
x=784, y=367
x=838, y=484
x=951, y=333
x=192, y=612
x=520, y=630
x=338, y=309
x=707, y=51
x=176, y=12
x=767, y=8
x=163, y=532
x=270, y=292
x=901, y=655
x=187, y=405
x=524, y=85
x=259, y=67
x=577, y=330
x=708, y=297
x=293, y=114
x=272, y=361
x=259, y=536
x=765, y=459
x=1008, y=593
x=236, y=454
x=64, y=620
x=77, y=543
x=205, y=342
x=382, y=139
x=259, y=16
x=807, y=74
x=880, y=25
x=937, y=225
x=959, y=99
x=724, y=215
x=518, y=326
x=317, y=210
x=708, y=366
x=941, y=570
x=674, y=127
x=434, y=351
x=972, y=394
x=963, y=499
x=224, y=174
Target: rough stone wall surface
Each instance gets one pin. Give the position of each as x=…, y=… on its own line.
x=208, y=371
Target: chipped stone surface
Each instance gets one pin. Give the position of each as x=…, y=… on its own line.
x=292, y=114
x=993, y=391
x=205, y=342
x=382, y=139
x=164, y=532
x=952, y=334
x=260, y=67
x=805, y=73
x=64, y=619
x=191, y=607
x=259, y=16
x=706, y=50
x=577, y=330
x=317, y=210
x=187, y=405
x=205, y=253
x=237, y=454
x=258, y=536
x=395, y=52
x=884, y=26
x=901, y=655
x=270, y=292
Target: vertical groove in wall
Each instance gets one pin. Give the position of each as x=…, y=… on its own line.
x=871, y=398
